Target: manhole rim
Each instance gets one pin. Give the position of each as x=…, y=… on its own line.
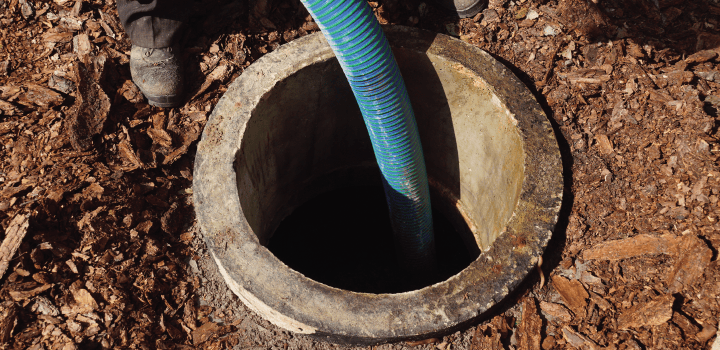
x=294, y=302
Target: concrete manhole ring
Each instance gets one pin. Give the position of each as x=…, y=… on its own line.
x=286, y=130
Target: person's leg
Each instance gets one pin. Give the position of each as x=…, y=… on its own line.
x=153, y=24
x=154, y=28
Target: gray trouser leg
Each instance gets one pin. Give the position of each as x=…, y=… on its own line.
x=153, y=23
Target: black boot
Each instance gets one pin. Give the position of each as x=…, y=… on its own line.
x=158, y=74
x=154, y=28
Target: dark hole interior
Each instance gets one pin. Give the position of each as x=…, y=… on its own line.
x=343, y=238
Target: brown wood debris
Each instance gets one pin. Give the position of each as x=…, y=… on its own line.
x=490, y=335
x=129, y=156
x=20, y=295
x=217, y=75
x=206, y=332
x=586, y=76
x=92, y=105
x=572, y=292
x=706, y=333
x=556, y=312
x=693, y=258
x=601, y=302
x=14, y=235
x=652, y=313
x=634, y=246
x=701, y=56
x=604, y=144
x=85, y=301
x=8, y=320
x=578, y=340
x=160, y=137
x=689, y=328
x=530, y=329
x=41, y=96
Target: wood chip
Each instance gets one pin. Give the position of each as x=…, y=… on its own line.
x=8, y=92
x=606, y=147
x=94, y=190
x=577, y=340
x=82, y=46
x=88, y=217
x=679, y=77
x=160, y=137
x=701, y=56
x=488, y=336
x=586, y=76
x=73, y=326
x=652, y=313
x=688, y=328
x=693, y=258
x=219, y=74
x=72, y=266
x=169, y=221
x=77, y=7
x=548, y=343
x=7, y=108
x=660, y=96
x=43, y=306
x=205, y=332
x=572, y=292
x=128, y=154
x=600, y=302
x=14, y=235
x=144, y=226
x=92, y=105
x=706, y=333
x=55, y=37
x=8, y=320
x=130, y=92
x=556, y=311
x=42, y=96
x=635, y=50
x=188, y=139
x=530, y=327
x=27, y=294
x=634, y=246
x=85, y=301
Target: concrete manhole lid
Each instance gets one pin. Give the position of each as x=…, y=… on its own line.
x=492, y=157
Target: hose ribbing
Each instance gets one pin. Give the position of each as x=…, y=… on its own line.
x=364, y=54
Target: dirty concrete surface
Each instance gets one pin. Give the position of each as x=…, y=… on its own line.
x=242, y=189
x=110, y=256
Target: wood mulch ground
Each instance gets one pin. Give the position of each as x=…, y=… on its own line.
x=95, y=185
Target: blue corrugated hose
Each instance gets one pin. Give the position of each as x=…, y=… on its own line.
x=364, y=53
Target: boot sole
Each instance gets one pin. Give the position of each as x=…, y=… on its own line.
x=164, y=101
x=472, y=10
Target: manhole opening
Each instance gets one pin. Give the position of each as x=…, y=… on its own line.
x=343, y=238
